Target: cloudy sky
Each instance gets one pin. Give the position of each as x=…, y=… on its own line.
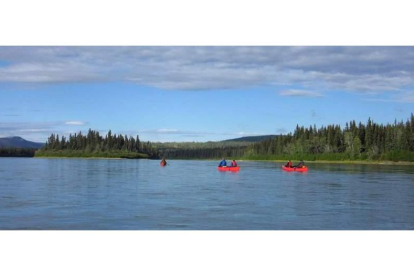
x=199, y=93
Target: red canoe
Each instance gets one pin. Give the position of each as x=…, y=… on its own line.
x=231, y=169
x=303, y=169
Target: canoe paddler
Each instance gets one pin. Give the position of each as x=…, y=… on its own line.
x=300, y=165
x=223, y=163
x=163, y=162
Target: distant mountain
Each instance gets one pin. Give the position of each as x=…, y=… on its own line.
x=18, y=142
x=251, y=139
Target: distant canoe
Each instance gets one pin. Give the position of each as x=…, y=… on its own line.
x=303, y=169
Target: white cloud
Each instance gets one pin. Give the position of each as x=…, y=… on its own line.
x=300, y=93
x=32, y=131
x=75, y=123
x=38, y=131
x=360, y=69
x=243, y=134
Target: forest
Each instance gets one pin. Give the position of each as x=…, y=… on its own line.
x=16, y=152
x=370, y=141
x=94, y=145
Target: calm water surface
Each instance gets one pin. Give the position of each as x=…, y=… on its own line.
x=139, y=194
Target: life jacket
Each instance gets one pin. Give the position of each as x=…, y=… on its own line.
x=234, y=164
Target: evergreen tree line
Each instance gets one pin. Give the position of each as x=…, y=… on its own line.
x=354, y=142
x=370, y=141
x=93, y=142
x=16, y=152
x=360, y=141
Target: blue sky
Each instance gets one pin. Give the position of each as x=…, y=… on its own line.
x=199, y=93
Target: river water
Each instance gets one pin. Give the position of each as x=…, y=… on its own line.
x=139, y=194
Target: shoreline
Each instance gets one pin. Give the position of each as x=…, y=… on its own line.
x=67, y=157
x=344, y=162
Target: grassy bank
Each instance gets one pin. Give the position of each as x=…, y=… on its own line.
x=88, y=154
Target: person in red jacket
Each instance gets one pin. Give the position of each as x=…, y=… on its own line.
x=234, y=164
x=163, y=162
x=289, y=164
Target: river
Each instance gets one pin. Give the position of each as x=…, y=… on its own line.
x=104, y=194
